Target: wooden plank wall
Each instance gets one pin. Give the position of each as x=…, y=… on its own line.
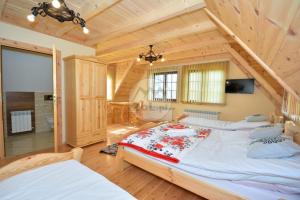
x=271, y=29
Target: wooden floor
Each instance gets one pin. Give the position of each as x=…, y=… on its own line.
x=136, y=181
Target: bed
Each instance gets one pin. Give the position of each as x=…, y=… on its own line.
x=56, y=176
x=242, y=179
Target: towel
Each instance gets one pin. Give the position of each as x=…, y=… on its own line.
x=181, y=132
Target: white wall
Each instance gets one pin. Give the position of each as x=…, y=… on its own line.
x=26, y=72
x=67, y=48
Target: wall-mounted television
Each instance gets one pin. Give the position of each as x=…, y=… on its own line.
x=244, y=86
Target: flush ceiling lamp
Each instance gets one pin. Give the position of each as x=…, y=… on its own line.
x=58, y=10
x=150, y=56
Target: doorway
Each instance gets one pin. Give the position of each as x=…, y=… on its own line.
x=30, y=99
x=27, y=96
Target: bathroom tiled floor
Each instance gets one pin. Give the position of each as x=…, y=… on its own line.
x=25, y=143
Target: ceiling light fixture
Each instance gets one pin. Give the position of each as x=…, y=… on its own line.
x=56, y=4
x=58, y=10
x=150, y=56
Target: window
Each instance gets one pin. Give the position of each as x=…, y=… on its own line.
x=204, y=83
x=163, y=87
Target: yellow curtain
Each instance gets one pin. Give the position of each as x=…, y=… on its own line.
x=204, y=83
x=291, y=107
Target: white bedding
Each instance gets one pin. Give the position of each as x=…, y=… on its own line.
x=68, y=180
x=222, y=156
x=222, y=125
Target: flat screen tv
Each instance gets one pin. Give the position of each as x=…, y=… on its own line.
x=244, y=86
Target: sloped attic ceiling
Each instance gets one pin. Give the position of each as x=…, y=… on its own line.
x=269, y=28
x=182, y=31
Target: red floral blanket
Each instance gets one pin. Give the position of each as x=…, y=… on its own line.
x=157, y=143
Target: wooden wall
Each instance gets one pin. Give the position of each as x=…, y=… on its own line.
x=269, y=28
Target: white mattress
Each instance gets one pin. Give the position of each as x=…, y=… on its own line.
x=221, y=159
x=223, y=125
x=68, y=180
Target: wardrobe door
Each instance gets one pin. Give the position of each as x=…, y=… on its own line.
x=99, y=83
x=84, y=120
x=84, y=115
x=84, y=101
x=85, y=78
x=99, y=123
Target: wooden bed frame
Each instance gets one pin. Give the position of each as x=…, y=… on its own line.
x=38, y=160
x=176, y=176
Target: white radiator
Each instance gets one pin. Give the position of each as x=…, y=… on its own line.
x=21, y=121
x=202, y=114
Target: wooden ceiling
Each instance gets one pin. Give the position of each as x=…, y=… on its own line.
x=181, y=30
x=106, y=19
x=271, y=30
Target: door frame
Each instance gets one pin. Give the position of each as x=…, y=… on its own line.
x=58, y=89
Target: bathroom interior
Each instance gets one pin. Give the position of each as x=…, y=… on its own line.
x=27, y=96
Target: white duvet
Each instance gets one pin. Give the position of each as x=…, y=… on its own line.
x=68, y=180
x=222, y=125
x=223, y=155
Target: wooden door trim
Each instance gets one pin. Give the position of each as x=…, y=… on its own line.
x=37, y=49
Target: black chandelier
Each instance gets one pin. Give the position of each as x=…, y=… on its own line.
x=58, y=10
x=151, y=56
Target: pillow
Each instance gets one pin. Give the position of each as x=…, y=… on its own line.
x=266, y=131
x=193, y=121
x=272, y=147
x=256, y=118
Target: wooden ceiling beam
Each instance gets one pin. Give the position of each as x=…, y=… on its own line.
x=195, y=59
x=2, y=6
x=242, y=63
x=217, y=49
x=166, y=12
x=194, y=28
x=90, y=10
x=203, y=43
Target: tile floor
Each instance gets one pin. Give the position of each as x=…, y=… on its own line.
x=30, y=142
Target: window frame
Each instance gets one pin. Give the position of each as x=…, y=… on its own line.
x=164, y=98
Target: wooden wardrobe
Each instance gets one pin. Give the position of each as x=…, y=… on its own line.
x=85, y=99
